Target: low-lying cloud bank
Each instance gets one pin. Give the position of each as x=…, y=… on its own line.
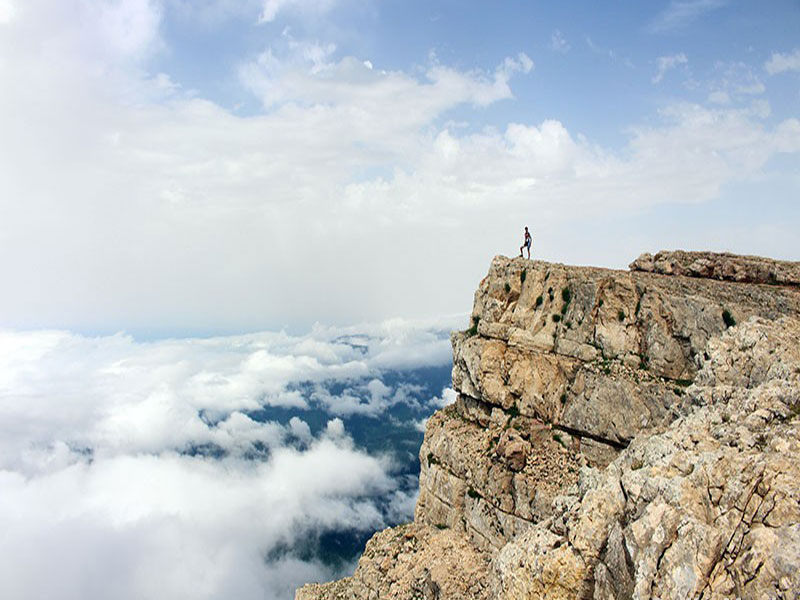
x=133, y=469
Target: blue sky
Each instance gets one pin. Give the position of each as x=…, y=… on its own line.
x=177, y=168
x=595, y=65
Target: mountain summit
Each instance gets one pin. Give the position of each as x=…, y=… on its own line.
x=617, y=434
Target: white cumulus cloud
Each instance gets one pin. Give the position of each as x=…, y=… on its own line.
x=780, y=62
x=136, y=469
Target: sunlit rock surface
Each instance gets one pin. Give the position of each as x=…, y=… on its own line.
x=616, y=435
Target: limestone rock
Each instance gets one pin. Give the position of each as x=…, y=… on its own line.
x=411, y=562
x=616, y=435
x=565, y=334
x=491, y=481
x=708, y=507
x=720, y=265
x=513, y=449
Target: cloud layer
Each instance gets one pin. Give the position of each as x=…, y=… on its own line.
x=134, y=469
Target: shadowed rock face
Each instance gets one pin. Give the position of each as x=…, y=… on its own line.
x=616, y=435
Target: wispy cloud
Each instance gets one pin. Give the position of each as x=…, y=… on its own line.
x=665, y=63
x=309, y=73
x=608, y=52
x=682, y=13
x=271, y=8
x=734, y=81
x=558, y=43
x=779, y=62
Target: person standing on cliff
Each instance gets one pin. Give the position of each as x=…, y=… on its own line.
x=527, y=243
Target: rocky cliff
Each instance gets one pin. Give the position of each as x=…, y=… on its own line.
x=617, y=434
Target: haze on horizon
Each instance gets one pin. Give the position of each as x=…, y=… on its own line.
x=175, y=167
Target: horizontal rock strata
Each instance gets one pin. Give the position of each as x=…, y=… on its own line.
x=599, y=353
x=720, y=265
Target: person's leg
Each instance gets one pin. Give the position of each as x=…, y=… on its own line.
x=520, y=251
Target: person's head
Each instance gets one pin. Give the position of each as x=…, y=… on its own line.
x=526, y=228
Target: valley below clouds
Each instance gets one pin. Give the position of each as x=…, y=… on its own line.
x=237, y=466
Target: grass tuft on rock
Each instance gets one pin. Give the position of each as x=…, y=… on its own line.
x=727, y=318
x=474, y=329
x=566, y=296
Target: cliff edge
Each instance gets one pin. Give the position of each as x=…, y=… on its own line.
x=617, y=434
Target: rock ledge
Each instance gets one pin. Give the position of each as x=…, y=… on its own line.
x=720, y=265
